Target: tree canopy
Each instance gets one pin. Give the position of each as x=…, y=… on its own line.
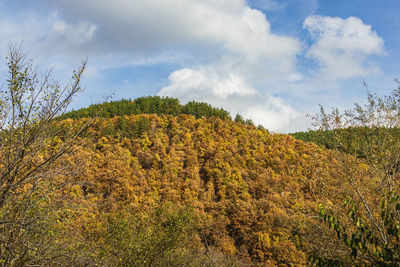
x=148, y=105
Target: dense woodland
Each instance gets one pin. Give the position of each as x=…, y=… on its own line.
x=163, y=188
x=147, y=105
x=152, y=105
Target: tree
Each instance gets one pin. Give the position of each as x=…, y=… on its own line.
x=147, y=239
x=371, y=134
x=31, y=143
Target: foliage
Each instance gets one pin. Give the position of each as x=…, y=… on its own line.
x=351, y=140
x=148, y=105
x=30, y=146
x=203, y=109
x=379, y=248
x=371, y=133
x=254, y=193
x=146, y=239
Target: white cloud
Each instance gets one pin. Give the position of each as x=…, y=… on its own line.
x=206, y=82
x=239, y=47
x=273, y=113
x=222, y=87
x=342, y=46
x=225, y=52
x=142, y=27
x=80, y=33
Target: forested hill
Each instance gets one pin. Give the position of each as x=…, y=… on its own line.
x=235, y=195
x=252, y=196
x=148, y=105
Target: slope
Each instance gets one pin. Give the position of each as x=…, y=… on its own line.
x=255, y=194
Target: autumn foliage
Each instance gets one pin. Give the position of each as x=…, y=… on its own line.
x=233, y=194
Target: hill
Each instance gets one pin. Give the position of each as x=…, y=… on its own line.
x=248, y=197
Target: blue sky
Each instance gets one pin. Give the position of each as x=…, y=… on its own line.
x=272, y=61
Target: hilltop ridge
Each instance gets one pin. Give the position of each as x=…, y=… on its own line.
x=152, y=105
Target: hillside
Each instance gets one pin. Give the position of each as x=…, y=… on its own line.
x=252, y=196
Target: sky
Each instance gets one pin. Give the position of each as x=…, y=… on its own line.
x=272, y=61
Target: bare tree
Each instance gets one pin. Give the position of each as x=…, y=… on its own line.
x=29, y=105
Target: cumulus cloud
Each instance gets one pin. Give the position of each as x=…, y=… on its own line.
x=224, y=51
x=152, y=25
x=191, y=84
x=273, y=112
x=342, y=46
x=222, y=87
x=241, y=51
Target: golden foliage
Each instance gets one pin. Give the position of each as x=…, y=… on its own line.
x=255, y=193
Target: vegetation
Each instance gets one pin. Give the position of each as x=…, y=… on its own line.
x=148, y=105
x=253, y=196
x=353, y=139
x=29, y=150
x=371, y=133
x=153, y=182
